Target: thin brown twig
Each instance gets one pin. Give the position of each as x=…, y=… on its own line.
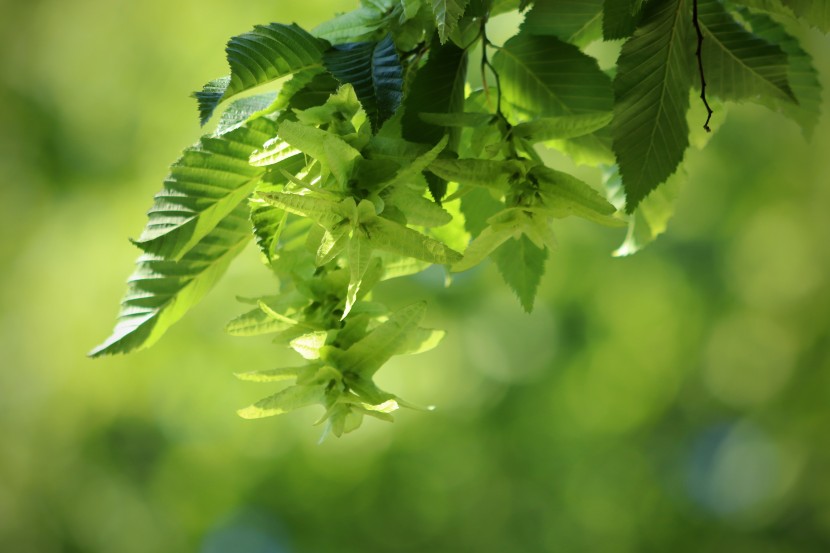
x=699, y=56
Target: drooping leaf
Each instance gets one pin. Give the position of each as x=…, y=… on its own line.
x=814, y=12
x=486, y=173
x=738, y=64
x=521, y=265
x=265, y=54
x=356, y=25
x=360, y=256
x=562, y=127
x=566, y=195
x=576, y=21
x=326, y=147
x=447, y=13
x=374, y=70
x=438, y=88
x=161, y=291
x=205, y=184
x=543, y=76
x=652, y=216
x=651, y=88
x=801, y=74
x=485, y=244
x=369, y=354
x=392, y=237
x=260, y=321
x=290, y=399
x=325, y=213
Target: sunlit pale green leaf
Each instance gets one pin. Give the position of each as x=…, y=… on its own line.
x=564, y=126
x=206, y=184
x=369, y=354
x=521, y=265
x=161, y=291
x=285, y=401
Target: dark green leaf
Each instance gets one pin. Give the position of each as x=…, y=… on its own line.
x=265, y=54
x=576, y=21
x=544, y=76
x=738, y=64
x=374, y=70
x=447, y=14
x=654, y=75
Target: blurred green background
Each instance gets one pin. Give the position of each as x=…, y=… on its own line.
x=672, y=401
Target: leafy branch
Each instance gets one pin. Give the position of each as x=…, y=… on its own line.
x=376, y=159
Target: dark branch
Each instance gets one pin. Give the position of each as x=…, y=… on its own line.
x=709, y=111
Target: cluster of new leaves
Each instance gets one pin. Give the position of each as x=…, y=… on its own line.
x=378, y=158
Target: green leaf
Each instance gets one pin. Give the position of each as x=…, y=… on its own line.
x=209, y=181
x=801, y=74
x=738, y=64
x=565, y=194
x=326, y=147
x=620, y=18
x=323, y=212
x=484, y=244
x=544, y=76
x=360, y=24
x=372, y=352
x=265, y=54
x=486, y=173
x=815, y=12
x=564, y=126
x=161, y=291
x=654, y=75
x=374, y=70
x=260, y=321
x=576, y=21
x=285, y=401
x=438, y=87
x=392, y=237
x=521, y=265
x=651, y=218
x=447, y=13
x=276, y=375
x=360, y=256
x=464, y=119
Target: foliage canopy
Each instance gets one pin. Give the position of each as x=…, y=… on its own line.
x=380, y=155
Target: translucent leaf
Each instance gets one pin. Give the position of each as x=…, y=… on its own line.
x=544, y=76
x=565, y=194
x=374, y=70
x=564, y=126
x=369, y=354
x=275, y=375
x=308, y=345
x=652, y=215
x=328, y=148
x=738, y=64
x=267, y=221
x=486, y=173
x=258, y=321
x=576, y=21
x=325, y=213
x=359, y=24
x=392, y=237
x=161, y=291
x=265, y=54
x=815, y=12
x=801, y=74
x=447, y=13
x=652, y=97
x=484, y=244
x=206, y=184
x=360, y=255
x=521, y=265
x=285, y=401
